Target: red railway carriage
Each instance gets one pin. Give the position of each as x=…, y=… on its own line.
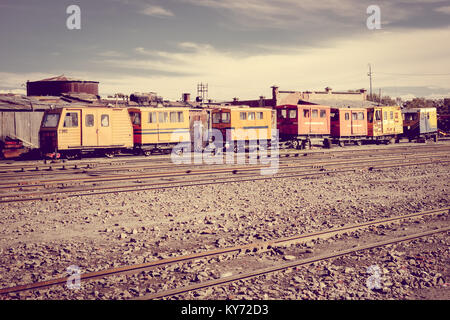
x=302, y=125
x=348, y=125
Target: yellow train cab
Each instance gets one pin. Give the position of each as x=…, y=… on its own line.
x=159, y=128
x=244, y=123
x=76, y=130
x=384, y=123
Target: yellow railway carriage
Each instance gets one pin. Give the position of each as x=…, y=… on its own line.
x=76, y=130
x=159, y=128
x=384, y=123
x=244, y=124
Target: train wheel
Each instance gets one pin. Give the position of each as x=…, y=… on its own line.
x=109, y=154
x=341, y=144
x=358, y=142
x=146, y=152
x=295, y=144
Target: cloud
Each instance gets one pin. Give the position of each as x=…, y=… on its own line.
x=157, y=11
x=110, y=53
x=342, y=64
x=445, y=10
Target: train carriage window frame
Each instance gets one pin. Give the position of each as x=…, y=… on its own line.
x=292, y=114
x=217, y=116
x=282, y=114
x=354, y=116
x=306, y=113
x=225, y=117
x=51, y=120
x=391, y=115
x=89, y=120
x=370, y=116
x=378, y=115
x=163, y=117
x=360, y=115
x=314, y=113
x=104, y=120
x=347, y=116
x=385, y=115
x=180, y=116
x=173, y=117
x=334, y=116
x=152, y=118
x=251, y=116
x=323, y=113
x=242, y=116
x=71, y=120
x=135, y=118
x=260, y=116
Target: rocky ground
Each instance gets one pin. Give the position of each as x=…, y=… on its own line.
x=40, y=240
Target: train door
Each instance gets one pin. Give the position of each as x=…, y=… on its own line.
x=104, y=123
x=136, y=122
x=377, y=126
x=89, y=128
x=163, y=125
x=69, y=133
x=304, y=120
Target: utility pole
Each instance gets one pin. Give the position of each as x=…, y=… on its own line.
x=370, y=77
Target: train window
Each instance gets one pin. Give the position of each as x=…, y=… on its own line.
x=292, y=114
x=378, y=115
x=104, y=120
x=135, y=118
x=385, y=117
x=251, y=116
x=89, y=120
x=354, y=116
x=226, y=117
x=163, y=117
x=370, y=116
x=216, y=117
x=428, y=115
x=173, y=117
x=71, y=120
x=306, y=113
x=242, y=115
x=360, y=115
x=152, y=117
x=323, y=113
x=180, y=116
x=392, y=115
x=50, y=120
x=315, y=113
x=283, y=114
x=334, y=116
x=259, y=116
x=347, y=116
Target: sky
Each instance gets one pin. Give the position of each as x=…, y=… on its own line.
x=239, y=48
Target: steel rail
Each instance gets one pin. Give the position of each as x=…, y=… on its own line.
x=283, y=266
x=68, y=193
x=232, y=169
x=322, y=234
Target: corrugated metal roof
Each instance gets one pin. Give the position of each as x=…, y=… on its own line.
x=340, y=103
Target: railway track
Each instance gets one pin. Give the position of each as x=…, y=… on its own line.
x=63, y=166
x=261, y=245
x=248, y=173
x=193, y=170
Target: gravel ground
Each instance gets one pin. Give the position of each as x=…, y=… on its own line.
x=40, y=240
